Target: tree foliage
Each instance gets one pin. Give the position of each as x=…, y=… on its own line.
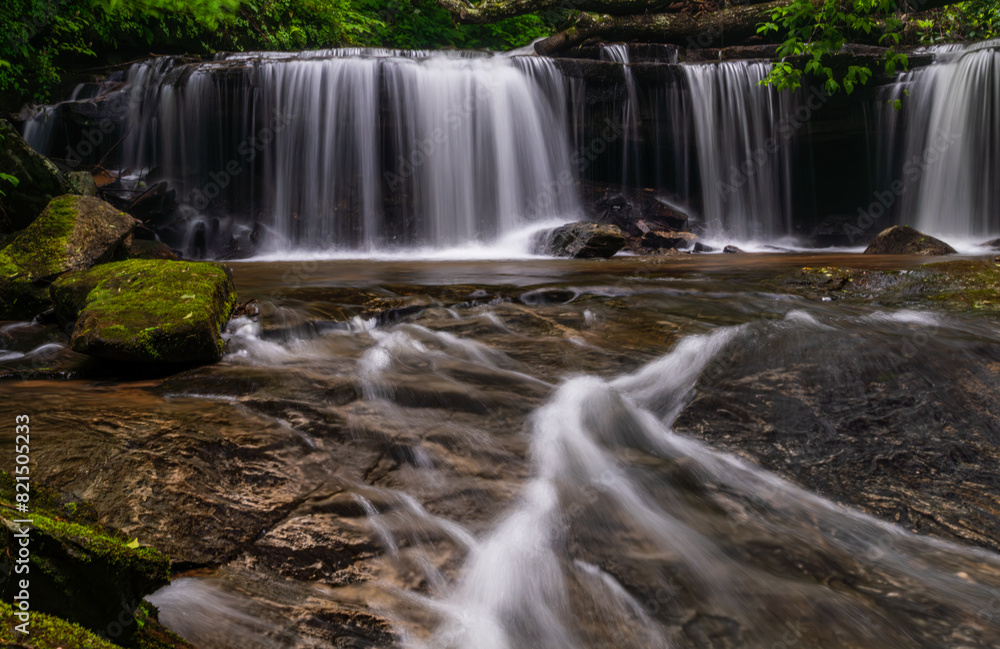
x=41, y=38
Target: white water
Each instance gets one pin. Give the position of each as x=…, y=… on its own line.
x=358, y=149
x=744, y=164
x=949, y=156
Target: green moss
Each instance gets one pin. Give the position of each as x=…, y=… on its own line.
x=38, y=252
x=49, y=632
x=968, y=285
x=80, y=571
x=154, y=310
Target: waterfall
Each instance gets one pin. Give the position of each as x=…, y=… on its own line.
x=745, y=166
x=353, y=149
x=941, y=146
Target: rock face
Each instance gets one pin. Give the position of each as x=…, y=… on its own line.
x=73, y=233
x=663, y=239
x=148, y=311
x=581, y=240
x=38, y=180
x=902, y=240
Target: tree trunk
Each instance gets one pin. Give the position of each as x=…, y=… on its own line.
x=729, y=27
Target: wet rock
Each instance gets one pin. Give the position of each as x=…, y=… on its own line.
x=582, y=240
x=80, y=571
x=733, y=250
x=992, y=243
x=39, y=180
x=660, y=239
x=839, y=230
x=73, y=233
x=148, y=311
x=146, y=249
x=701, y=247
x=81, y=183
x=904, y=240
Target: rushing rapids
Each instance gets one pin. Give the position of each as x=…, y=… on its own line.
x=582, y=455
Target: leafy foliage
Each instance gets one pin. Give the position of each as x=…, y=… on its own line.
x=40, y=38
x=965, y=21
x=816, y=31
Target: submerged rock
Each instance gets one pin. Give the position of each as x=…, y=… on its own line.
x=73, y=233
x=582, y=240
x=148, y=311
x=38, y=180
x=904, y=240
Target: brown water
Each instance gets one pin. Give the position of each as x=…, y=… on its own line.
x=554, y=454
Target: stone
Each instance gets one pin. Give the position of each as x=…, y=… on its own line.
x=701, y=247
x=733, y=250
x=666, y=239
x=81, y=183
x=80, y=571
x=148, y=310
x=581, y=240
x=904, y=240
x=147, y=249
x=38, y=180
x=73, y=233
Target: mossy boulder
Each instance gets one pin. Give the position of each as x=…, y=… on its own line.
x=73, y=233
x=39, y=180
x=148, y=311
x=904, y=240
x=79, y=571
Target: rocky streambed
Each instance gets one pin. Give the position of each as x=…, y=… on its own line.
x=701, y=451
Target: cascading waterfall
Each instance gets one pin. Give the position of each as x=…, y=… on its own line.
x=744, y=164
x=354, y=149
x=942, y=146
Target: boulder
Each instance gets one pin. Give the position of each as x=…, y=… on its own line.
x=148, y=310
x=581, y=240
x=146, y=249
x=701, y=247
x=733, y=250
x=904, y=240
x=662, y=239
x=81, y=183
x=39, y=180
x=73, y=233
x=839, y=230
x=79, y=570
x=616, y=209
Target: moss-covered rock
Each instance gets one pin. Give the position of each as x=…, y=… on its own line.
x=73, y=233
x=904, y=240
x=148, y=311
x=81, y=183
x=39, y=180
x=79, y=570
x=49, y=632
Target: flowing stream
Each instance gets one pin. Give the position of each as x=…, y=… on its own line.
x=555, y=454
